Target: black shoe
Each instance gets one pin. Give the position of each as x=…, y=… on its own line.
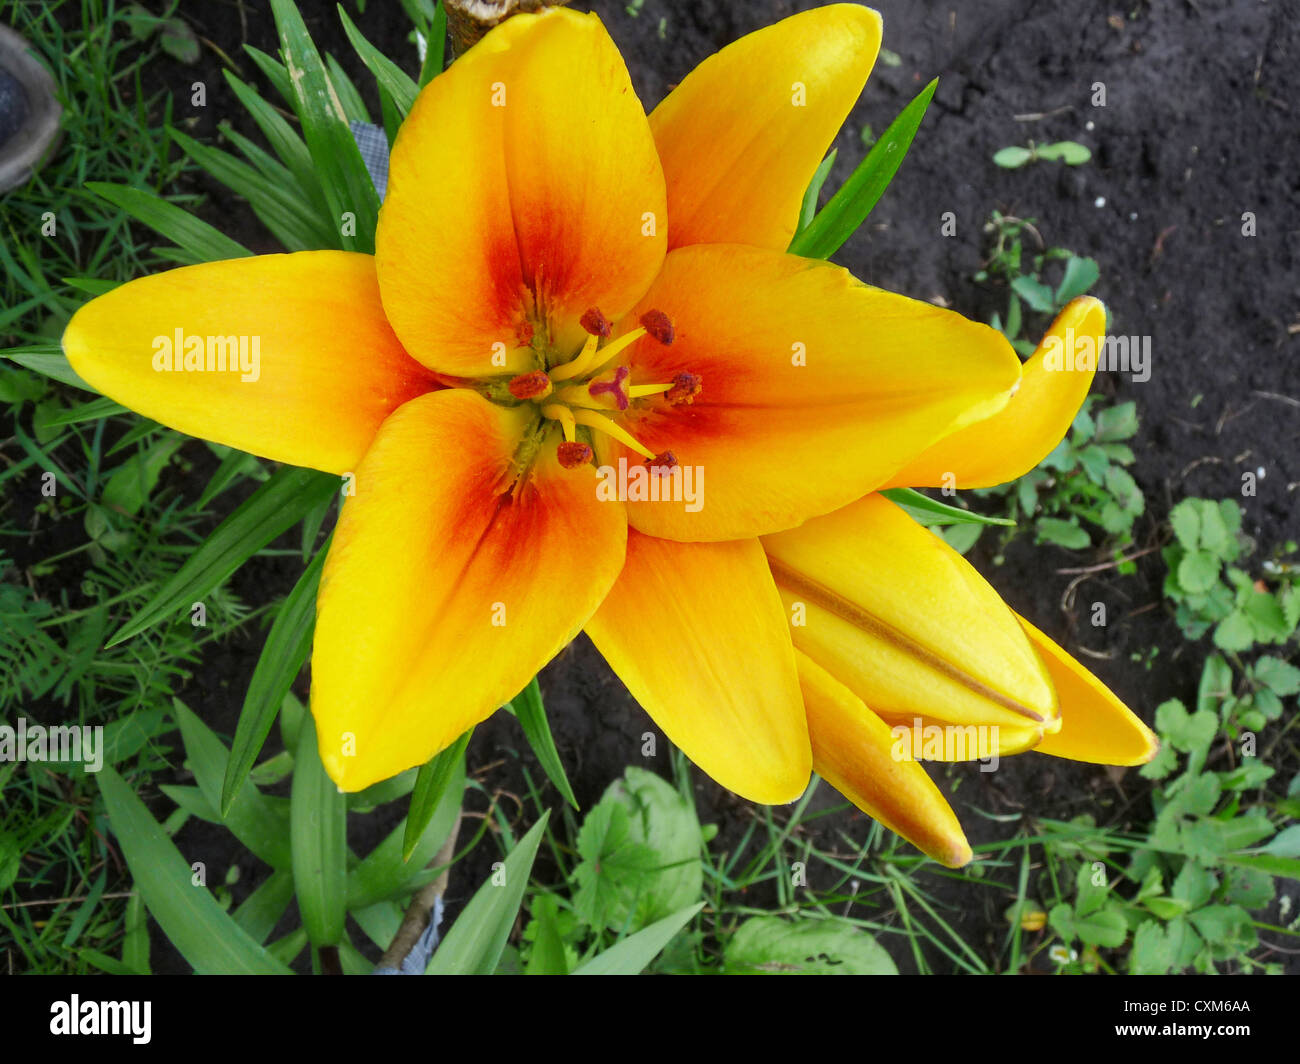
x=29, y=113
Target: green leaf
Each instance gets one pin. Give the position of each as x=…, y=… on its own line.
x=189, y=916
x=1080, y=275
x=1285, y=844
x=283, y=139
x=1215, y=684
x=346, y=183
x=529, y=710
x=813, y=193
x=1012, y=158
x=770, y=945
x=286, y=648
x=286, y=216
x=1186, y=521
x=262, y=909
x=640, y=848
x=49, y=361
x=849, y=207
x=135, y=936
x=1235, y=633
x=1065, y=151
x=1036, y=294
x=1063, y=533
x=271, y=510
x=910, y=499
x=1198, y=571
x=476, y=941
x=387, y=73
x=1118, y=422
x=318, y=818
x=435, y=56
x=548, y=956
x=630, y=956
x=253, y=818
x=203, y=242
x=434, y=779
x=387, y=874
x=1278, y=676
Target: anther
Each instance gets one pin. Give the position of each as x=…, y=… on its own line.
x=534, y=385
x=596, y=323
x=659, y=325
x=614, y=387
x=686, y=386
x=572, y=454
x=662, y=464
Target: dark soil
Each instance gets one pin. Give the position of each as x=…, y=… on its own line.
x=1198, y=128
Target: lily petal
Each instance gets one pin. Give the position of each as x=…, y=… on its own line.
x=449, y=583
x=853, y=750
x=1011, y=443
x=696, y=632
x=524, y=183
x=328, y=371
x=906, y=623
x=743, y=134
x=816, y=388
x=1095, y=725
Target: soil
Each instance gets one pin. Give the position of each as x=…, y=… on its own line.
x=1198, y=127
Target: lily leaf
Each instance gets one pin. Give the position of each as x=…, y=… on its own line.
x=528, y=708
x=949, y=515
x=476, y=941
x=432, y=782
x=849, y=207
x=209, y=939
x=283, y=653
x=318, y=841
x=271, y=510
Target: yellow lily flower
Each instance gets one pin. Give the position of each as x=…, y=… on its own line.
x=906, y=653
x=559, y=278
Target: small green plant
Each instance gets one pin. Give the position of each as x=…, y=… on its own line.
x=1209, y=591
x=1063, y=151
x=1022, y=272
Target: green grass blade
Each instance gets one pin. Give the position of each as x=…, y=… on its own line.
x=532, y=718
x=385, y=873
x=344, y=178
x=849, y=207
x=286, y=648
x=270, y=511
x=951, y=515
x=49, y=361
x=189, y=916
x=262, y=909
x=282, y=137
x=809, y=209
x=318, y=818
x=476, y=941
x=631, y=956
x=436, y=54
x=387, y=73
x=288, y=219
x=253, y=818
x=432, y=782
x=202, y=241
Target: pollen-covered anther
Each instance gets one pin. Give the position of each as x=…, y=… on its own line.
x=596, y=323
x=573, y=454
x=614, y=388
x=534, y=385
x=659, y=325
x=662, y=464
x=686, y=386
